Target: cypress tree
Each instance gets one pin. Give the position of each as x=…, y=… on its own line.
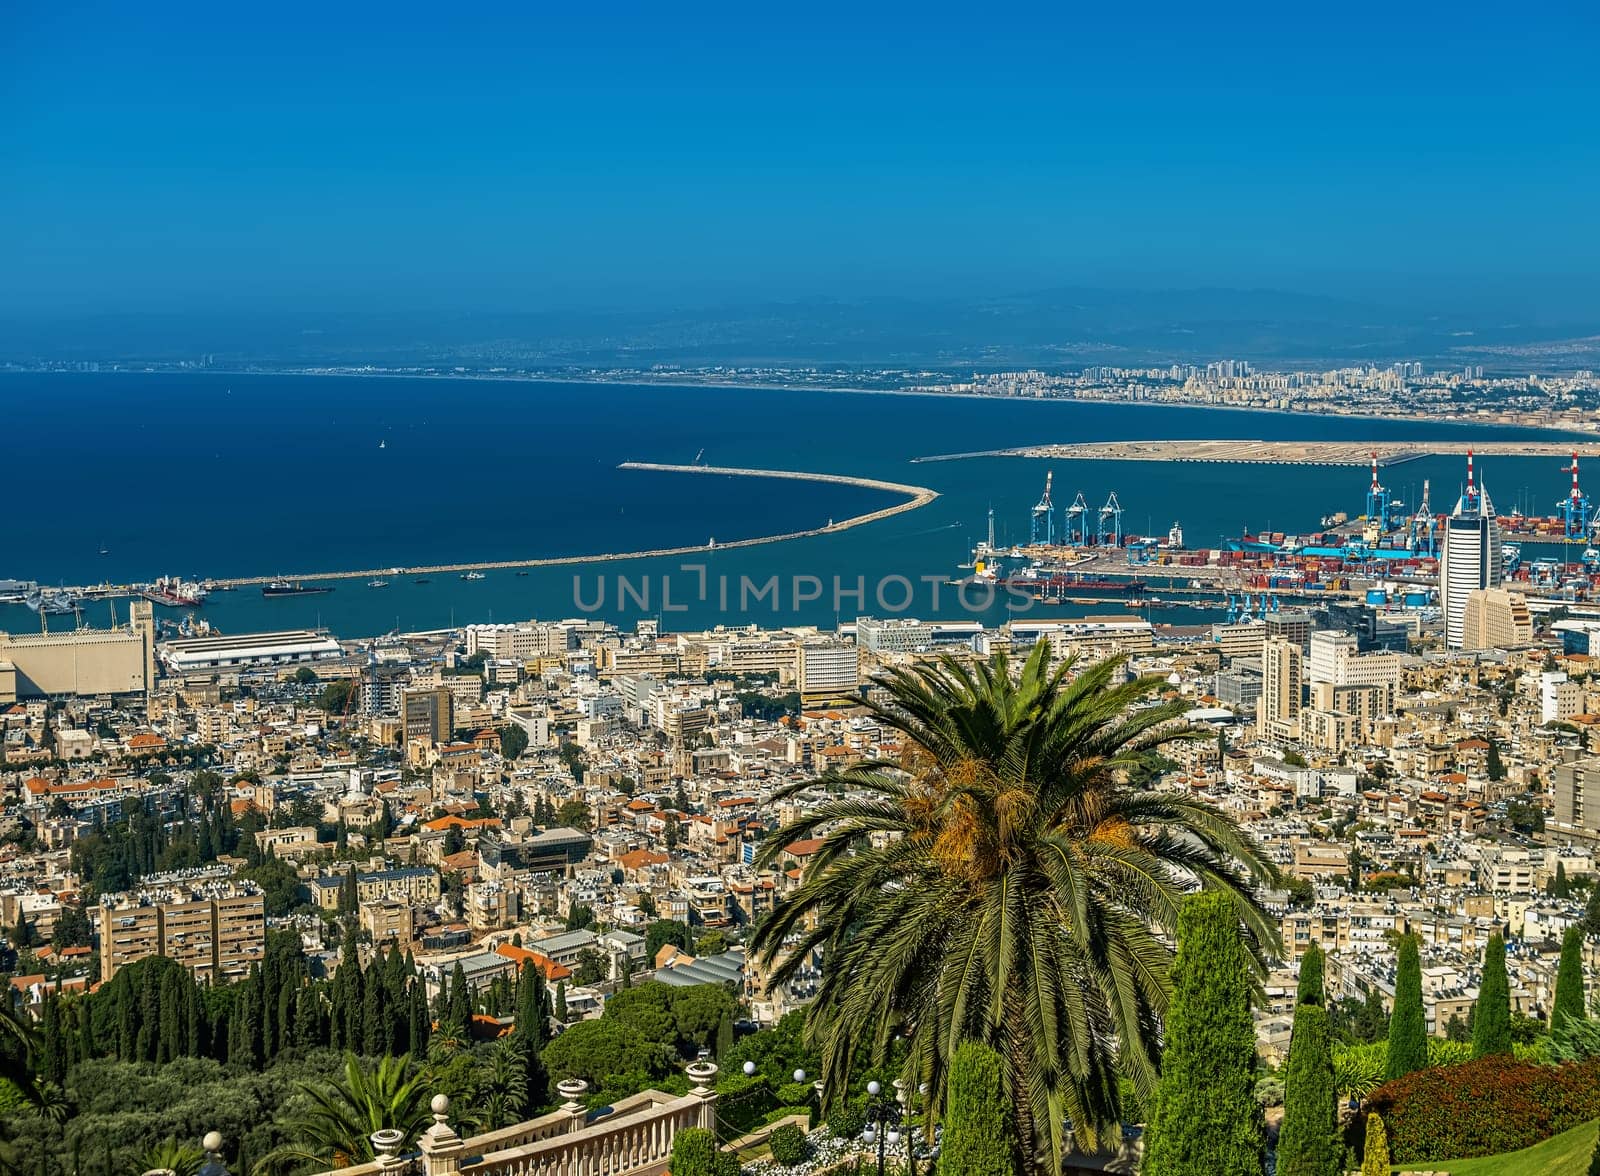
x=1408, y=1027
x=355, y=1007
x=460, y=998
x=307, y=1021
x=1206, y=1120
x=284, y=1021
x=1569, y=1004
x=1560, y=888
x=1308, y=1144
x=374, y=1036
x=561, y=1001
x=194, y=1030
x=980, y=1133
x=1311, y=987
x=126, y=1033
x=420, y=1024
x=1375, y=1156
x=1491, y=1016
x=724, y=1034
x=52, y=1047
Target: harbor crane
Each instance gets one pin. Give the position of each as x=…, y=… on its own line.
x=1075, y=523
x=1423, y=540
x=1044, y=516
x=1575, y=510
x=1110, y=530
x=1378, y=504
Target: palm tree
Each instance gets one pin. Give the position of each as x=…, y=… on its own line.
x=334, y=1130
x=1004, y=882
x=181, y=1159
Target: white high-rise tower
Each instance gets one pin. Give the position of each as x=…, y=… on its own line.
x=1469, y=556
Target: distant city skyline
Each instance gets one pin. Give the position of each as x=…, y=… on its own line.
x=200, y=160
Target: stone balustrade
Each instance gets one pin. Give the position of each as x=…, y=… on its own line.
x=633, y=1138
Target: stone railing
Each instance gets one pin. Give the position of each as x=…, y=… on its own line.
x=632, y=1138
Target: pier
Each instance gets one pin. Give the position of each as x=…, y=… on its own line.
x=916, y=497
x=1329, y=453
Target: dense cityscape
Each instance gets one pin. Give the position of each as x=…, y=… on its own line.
x=651, y=590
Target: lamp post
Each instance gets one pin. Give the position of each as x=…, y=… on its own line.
x=883, y=1120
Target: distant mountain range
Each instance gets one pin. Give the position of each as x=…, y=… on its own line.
x=1055, y=328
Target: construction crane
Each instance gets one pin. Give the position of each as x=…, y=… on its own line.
x=1110, y=530
x=1575, y=510
x=1075, y=523
x=1044, y=516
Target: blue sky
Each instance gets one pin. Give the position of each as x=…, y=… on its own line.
x=181, y=156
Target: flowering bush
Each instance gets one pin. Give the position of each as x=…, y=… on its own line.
x=1483, y=1107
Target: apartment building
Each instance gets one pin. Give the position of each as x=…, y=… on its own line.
x=216, y=929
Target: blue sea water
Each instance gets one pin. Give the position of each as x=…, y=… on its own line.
x=224, y=475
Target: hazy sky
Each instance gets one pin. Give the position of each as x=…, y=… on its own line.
x=462, y=155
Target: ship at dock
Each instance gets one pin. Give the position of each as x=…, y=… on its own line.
x=281, y=587
x=174, y=592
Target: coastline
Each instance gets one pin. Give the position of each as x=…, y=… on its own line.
x=646, y=380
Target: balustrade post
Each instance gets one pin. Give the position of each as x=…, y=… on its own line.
x=704, y=1077
x=572, y=1091
x=441, y=1147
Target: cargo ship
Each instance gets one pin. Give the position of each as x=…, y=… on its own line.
x=175, y=592
x=292, y=588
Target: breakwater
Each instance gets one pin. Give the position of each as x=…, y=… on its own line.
x=916, y=497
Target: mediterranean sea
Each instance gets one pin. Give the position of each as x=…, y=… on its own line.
x=219, y=475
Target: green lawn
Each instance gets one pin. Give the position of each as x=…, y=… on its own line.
x=1566, y=1154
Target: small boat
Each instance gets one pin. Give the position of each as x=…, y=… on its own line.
x=472, y=575
x=379, y=583
x=383, y=444
x=522, y=573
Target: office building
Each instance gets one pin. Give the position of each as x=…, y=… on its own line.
x=829, y=671
x=1469, y=557
x=428, y=715
x=1495, y=618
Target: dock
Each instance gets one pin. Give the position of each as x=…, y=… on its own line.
x=1328, y=453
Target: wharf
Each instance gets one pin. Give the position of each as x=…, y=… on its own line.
x=1331, y=453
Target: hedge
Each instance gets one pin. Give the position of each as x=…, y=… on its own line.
x=1483, y=1107
x=788, y=1145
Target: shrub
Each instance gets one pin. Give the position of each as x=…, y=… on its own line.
x=788, y=1145
x=1375, y=1158
x=743, y=1102
x=1483, y=1107
x=694, y=1153
x=979, y=1133
x=794, y=1094
x=848, y=1120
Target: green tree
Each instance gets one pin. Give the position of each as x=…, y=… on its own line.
x=662, y=932
x=980, y=1135
x=1375, y=1156
x=1206, y=1120
x=513, y=741
x=1408, y=1026
x=601, y=1050
x=1308, y=1144
x=1009, y=886
x=1494, y=766
x=1491, y=1015
x=1569, y=1001
x=1559, y=886
x=1310, y=989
